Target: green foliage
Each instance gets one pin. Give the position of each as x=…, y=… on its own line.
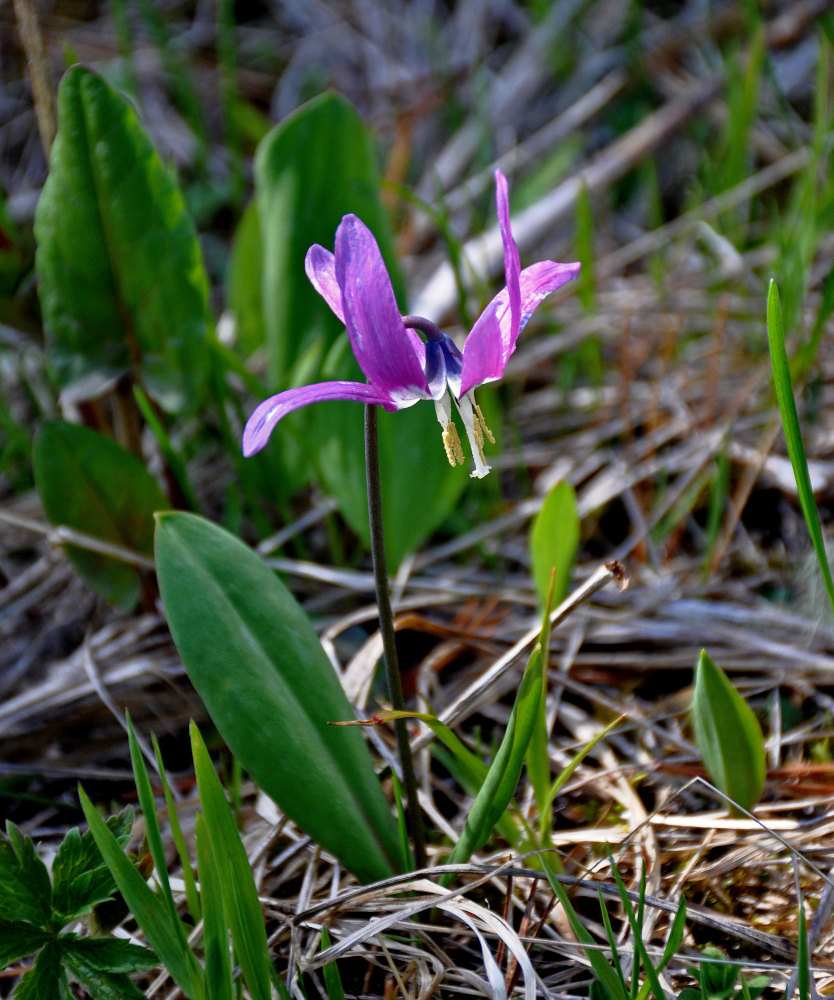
x=91, y=484
x=728, y=735
x=228, y=902
x=271, y=691
x=554, y=540
x=501, y=780
x=121, y=278
x=793, y=434
x=332, y=979
x=610, y=982
x=34, y=909
x=301, y=200
x=720, y=979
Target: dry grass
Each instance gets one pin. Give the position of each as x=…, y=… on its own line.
x=679, y=316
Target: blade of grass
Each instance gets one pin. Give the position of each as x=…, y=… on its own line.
x=149, y=911
x=215, y=931
x=602, y=970
x=332, y=979
x=240, y=896
x=793, y=435
x=192, y=896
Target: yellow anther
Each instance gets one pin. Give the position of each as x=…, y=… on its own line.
x=480, y=423
x=451, y=442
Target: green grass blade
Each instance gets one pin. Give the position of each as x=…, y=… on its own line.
x=502, y=778
x=793, y=436
x=803, y=958
x=602, y=970
x=635, y=923
x=332, y=979
x=612, y=942
x=192, y=896
x=240, y=896
x=215, y=930
x=150, y=912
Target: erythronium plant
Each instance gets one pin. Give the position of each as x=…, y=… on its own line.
x=400, y=366
x=402, y=369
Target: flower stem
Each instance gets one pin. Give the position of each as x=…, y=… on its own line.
x=386, y=628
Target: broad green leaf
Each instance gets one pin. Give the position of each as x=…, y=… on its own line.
x=793, y=434
x=554, y=539
x=121, y=278
x=18, y=939
x=215, y=931
x=46, y=978
x=88, y=482
x=502, y=778
x=149, y=911
x=271, y=691
x=243, y=283
x=238, y=893
x=728, y=735
x=80, y=878
x=25, y=889
x=311, y=169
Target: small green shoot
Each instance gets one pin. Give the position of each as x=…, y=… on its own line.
x=793, y=435
x=728, y=735
x=718, y=979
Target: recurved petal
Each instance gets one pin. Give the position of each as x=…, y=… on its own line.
x=320, y=265
x=512, y=258
x=374, y=324
x=266, y=416
x=491, y=342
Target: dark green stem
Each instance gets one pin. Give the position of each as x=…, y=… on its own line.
x=386, y=628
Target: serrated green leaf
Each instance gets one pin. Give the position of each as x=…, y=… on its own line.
x=271, y=691
x=80, y=877
x=25, y=888
x=101, y=982
x=554, y=539
x=88, y=482
x=234, y=874
x=110, y=954
x=46, y=978
x=149, y=911
x=18, y=939
x=121, y=279
x=728, y=735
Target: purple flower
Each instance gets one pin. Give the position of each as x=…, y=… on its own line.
x=400, y=366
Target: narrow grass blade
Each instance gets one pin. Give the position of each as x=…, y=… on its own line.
x=803, y=958
x=150, y=912
x=612, y=942
x=192, y=896
x=215, y=929
x=793, y=435
x=608, y=978
x=153, y=834
x=332, y=979
x=538, y=757
x=635, y=922
x=502, y=778
x=240, y=896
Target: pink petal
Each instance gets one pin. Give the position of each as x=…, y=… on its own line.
x=512, y=259
x=263, y=421
x=491, y=342
x=320, y=265
x=377, y=335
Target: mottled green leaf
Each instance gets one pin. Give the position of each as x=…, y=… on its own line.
x=25, y=889
x=80, y=878
x=122, y=283
x=88, y=482
x=46, y=980
x=18, y=938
